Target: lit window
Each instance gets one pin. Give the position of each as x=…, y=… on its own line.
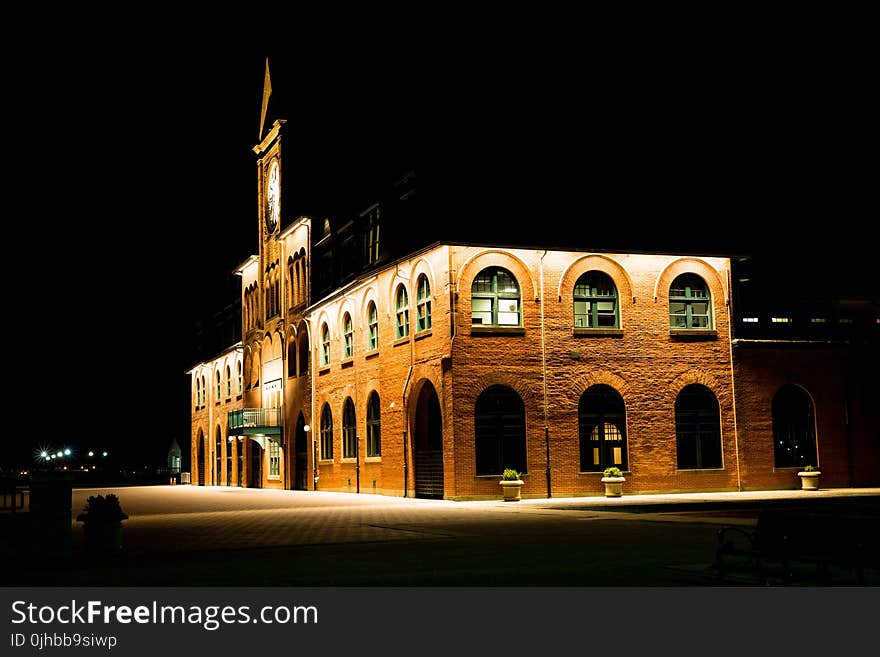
x=595, y=301
x=495, y=298
x=602, y=429
x=373, y=327
x=690, y=305
x=402, y=307
x=845, y=320
x=780, y=320
x=423, y=304
x=325, y=345
x=818, y=320
x=374, y=426
x=347, y=337
x=750, y=320
x=326, y=433
x=274, y=459
x=349, y=430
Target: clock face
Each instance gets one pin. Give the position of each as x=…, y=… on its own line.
x=273, y=198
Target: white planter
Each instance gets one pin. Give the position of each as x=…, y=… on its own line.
x=613, y=486
x=512, y=489
x=809, y=480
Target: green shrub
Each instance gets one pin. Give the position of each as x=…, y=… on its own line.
x=613, y=472
x=510, y=475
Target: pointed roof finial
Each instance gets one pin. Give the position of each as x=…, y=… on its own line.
x=267, y=91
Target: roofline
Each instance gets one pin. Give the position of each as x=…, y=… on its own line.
x=239, y=271
x=238, y=346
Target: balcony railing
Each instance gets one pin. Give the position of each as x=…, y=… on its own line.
x=254, y=420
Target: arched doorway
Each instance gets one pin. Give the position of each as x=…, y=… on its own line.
x=428, y=444
x=239, y=448
x=200, y=459
x=301, y=451
x=256, y=462
x=218, y=457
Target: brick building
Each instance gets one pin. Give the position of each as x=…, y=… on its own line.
x=372, y=363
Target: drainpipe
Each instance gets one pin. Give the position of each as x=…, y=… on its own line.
x=732, y=374
x=544, y=374
x=403, y=394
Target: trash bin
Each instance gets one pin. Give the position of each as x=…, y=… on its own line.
x=51, y=498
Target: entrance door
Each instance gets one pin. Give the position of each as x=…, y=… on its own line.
x=301, y=452
x=256, y=473
x=428, y=444
x=200, y=461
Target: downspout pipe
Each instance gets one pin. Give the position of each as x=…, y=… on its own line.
x=544, y=377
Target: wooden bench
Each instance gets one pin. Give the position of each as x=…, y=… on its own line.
x=793, y=546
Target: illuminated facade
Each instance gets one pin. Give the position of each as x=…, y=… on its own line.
x=368, y=365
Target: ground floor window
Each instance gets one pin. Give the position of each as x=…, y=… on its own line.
x=794, y=428
x=274, y=459
x=499, y=431
x=602, y=429
x=697, y=428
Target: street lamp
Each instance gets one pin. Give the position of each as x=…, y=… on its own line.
x=67, y=451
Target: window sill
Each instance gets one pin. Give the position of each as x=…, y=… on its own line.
x=497, y=477
x=601, y=473
x=228, y=399
x=371, y=354
x=373, y=459
x=597, y=333
x=273, y=477
x=348, y=362
x=695, y=335
x=350, y=459
x=700, y=471
x=238, y=397
x=422, y=335
x=326, y=461
x=497, y=330
x=323, y=370
x=400, y=341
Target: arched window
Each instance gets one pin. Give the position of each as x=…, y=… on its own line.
x=228, y=382
x=402, y=307
x=198, y=393
x=347, y=337
x=602, y=429
x=374, y=426
x=794, y=428
x=204, y=391
x=500, y=431
x=495, y=298
x=303, y=355
x=217, y=398
x=697, y=428
x=372, y=327
x=595, y=301
x=349, y=430
x=326, y=433
x=690, y=305
x=325, y=345
x=423, y=304
x=218, y=456
x=238, y=372
x=291, y=358
x=291, y=284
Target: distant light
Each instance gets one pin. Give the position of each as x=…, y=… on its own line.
x=818, y=320
x=43, y=454
x=306, y=428
x=59, y=454
x=103, y=453
x=67, y=451
x=91, y=453
x=781, y=320
x=750, y=320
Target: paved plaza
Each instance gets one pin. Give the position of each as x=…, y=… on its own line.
x=188, y=535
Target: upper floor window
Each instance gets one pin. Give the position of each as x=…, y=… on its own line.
x=371, y=237
x=372, y=327
x=238, y=372
x=198, y=393
x=402, y=307
x=347, y=337
x=204, y=392
x=325, y=345
x=423, y=303
x=690, y=305
x=228, y=382
x=217, y=398
x=495, y=298
x=595, y=301
x=349, y=430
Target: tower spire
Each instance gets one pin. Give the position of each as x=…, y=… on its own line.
x=267, y=91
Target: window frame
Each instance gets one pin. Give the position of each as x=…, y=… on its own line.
x=347, y=337
x=610, y=410
x=372, y=326
x=326, y=430
x=593, y=298
x=325, y=345
x=495, y=297
x=511, y=450
x=349, y=430
x=401, y=312
x=703, y=430
x=688, y=299
x=374, y=425
x=423, y=304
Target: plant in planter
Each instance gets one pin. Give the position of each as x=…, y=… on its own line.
x=102, y=522
x=512, y=485
x=613, y=479
x=809, y=477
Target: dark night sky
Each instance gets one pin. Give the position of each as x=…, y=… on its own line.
x=141, y=184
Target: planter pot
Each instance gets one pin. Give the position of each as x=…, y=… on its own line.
x=103, y=537
x=512, y=490
x=613, y=486
x=809, y=480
